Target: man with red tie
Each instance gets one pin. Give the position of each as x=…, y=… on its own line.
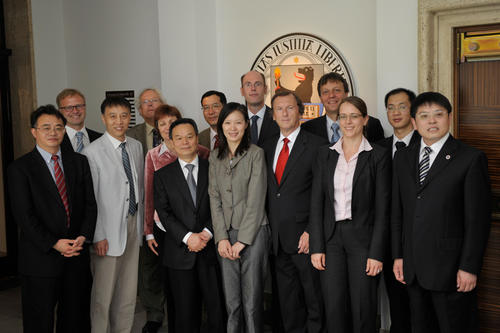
x=54, y=206
x=290, y=157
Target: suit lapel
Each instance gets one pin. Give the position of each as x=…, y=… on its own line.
x=271, y=151
x=298, y=149
x=266, y=122
x=412, y=162
x=360, y=166
x=445, y=156
x=202, y=183
x=69, y=177
x=48, y=182
x=322, y=130
x=333, y=157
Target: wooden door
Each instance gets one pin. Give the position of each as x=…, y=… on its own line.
x=477, y=122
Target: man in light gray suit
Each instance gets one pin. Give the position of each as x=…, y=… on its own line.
x=117, y=167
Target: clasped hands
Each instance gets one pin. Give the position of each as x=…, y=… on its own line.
x=70, y=247
x=230, y=252
x=197, y=241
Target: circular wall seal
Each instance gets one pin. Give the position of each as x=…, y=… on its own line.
x=296, y=62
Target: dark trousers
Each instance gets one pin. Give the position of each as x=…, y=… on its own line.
x=399, y=302
x=192, y=287
x=299, y=289
x=442, y=312
x=70, y=292
x=345, y=283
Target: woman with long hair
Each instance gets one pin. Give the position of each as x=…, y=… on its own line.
x=349, y=221
x=237, y=189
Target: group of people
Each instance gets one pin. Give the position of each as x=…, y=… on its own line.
x=196, y=220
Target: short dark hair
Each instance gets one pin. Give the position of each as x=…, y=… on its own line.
x=219, y=94
x=332, y=77
x=408, y=92
x=115, y=101
x=166, y=110
x=182, y=121
x=288, y=93
x=48, y=109
x=358, y=103
x=261, y=75
x=427, y=98
x=245, y=140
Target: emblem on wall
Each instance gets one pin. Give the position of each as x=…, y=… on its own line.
x=296, y=62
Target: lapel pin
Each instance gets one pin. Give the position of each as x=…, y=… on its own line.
x=448, y=157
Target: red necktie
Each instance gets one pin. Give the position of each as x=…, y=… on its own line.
x=282, y=158
x=61, y=186
x=216, y=143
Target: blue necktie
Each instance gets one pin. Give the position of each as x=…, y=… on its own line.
x=336, y=135
x=423, y=166
x=254, y=130
x=79, y=142
x=132, y=207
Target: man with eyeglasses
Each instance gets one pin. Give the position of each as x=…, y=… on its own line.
x=398, y=103
x=254, y=89
x=212, y=103
x=332, y=89
x=53, y=204
x=71, y=103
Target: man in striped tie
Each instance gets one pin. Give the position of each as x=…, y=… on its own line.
x=53, y=203
x=440, y=221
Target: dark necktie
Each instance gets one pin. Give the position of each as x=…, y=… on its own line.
x=79, y=142
x=191, y=182
x=336, y=135
x=254, y=130
x=216, y=143
x=132, y=207
x=423, y=167
x=61, y=186
x=156, y=138
x=399, y=145
x=282, y=158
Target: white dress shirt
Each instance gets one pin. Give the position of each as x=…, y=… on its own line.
x=71, y=132
x=292, y=137
x=185, y=170
x=436, y=147
x=261, y=114
x=406, y=140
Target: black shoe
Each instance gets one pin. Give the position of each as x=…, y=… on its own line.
x=151, y=327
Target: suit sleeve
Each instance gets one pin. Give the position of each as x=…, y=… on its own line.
x=477, y=215
x=218, y=223
x=148, y=195
x=316, y=236
x=100, y=232
x=382, y=200
x=164, y=209
x=24, y=210
x=256, y=199
x=396, y=211
x=89, y=222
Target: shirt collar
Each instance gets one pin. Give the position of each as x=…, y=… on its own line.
x=364, y=146
x=47, y=157
x=261, y=113
x=115, y=142
x=149, y=128
x=212, y=132
x=291, y=137
x=71, y=132
x=436, y=146
x=195, y=162
x=329, y=121
x=406, y=139
x=163, y=148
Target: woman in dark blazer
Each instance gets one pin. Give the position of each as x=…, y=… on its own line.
x=349, y=222
x=237, y=189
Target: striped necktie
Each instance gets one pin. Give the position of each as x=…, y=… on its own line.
x=79, y=142
x=423, y=166
x=61, y=186
x=132, y=206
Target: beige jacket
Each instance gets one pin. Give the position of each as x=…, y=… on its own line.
x=237, y=192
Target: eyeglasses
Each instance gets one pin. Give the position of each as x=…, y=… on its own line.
x=70, y=108
x=214, y=106
x=46, y=129
x=147, y=101
x=401, y=107
x=438, y=114
x=352, y=116
x=257, y=84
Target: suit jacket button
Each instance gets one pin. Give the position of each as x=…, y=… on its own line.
x=278, y=195
x=127, y=199
x=419, y=197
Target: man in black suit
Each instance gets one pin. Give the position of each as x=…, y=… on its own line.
x=71, y=103
x=332, y=88
x=398, y=102
x=182, y=202
x=53, y=204
x=290, y=157
x=254, y=89
x=440, y=221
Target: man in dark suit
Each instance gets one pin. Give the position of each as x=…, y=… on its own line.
x=290, y=157
x=53, y=204
x=182, y=202
x=440, y=221
x=71, y=103
x=332, y=88
x=262, y=126
x=398, y=102
x=212, y=103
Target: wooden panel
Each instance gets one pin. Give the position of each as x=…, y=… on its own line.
x=477, y=122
